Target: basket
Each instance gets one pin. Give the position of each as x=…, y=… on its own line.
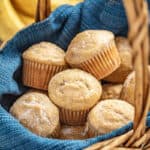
x=121, y=139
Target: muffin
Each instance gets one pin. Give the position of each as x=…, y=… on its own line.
x=40, y=63
x=128, y=89
x=111, y=91
x=73, y=132
x=109, y=115
x=37, y=113
x=125, y=52
x=95, y=52
x=75, y=92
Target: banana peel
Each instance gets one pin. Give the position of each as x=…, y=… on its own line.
x=10, y=22
x=28, y=7
x=16, y=14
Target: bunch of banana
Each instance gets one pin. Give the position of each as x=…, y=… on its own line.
x=16, y=14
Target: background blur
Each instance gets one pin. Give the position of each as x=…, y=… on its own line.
x=17, y=14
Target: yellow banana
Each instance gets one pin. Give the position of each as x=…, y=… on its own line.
x=16, y=14
x=10, y=21
x=29, y=6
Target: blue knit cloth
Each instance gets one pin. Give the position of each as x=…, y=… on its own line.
x=61, y=26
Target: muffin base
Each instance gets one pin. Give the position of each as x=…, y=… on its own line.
x=119, y=75
x=38, y=75
x=73, y=133
x=74, y=118
x=104, y=63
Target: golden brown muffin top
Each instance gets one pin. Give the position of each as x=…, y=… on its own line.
x=110, y=114
x=111, y=91
x=73, y=132
x=45, y=52
x=36, y=112
x=88, y=43
x=74, y=89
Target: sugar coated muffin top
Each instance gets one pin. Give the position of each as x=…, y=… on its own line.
x=74, y=89
x=45, y=52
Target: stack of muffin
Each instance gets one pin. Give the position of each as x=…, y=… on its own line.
x=70, y=101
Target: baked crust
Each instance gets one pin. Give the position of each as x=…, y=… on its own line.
x=87, y=44
x=45, y=52
x=74, y=89
x=37, y=113
x=109, y=115
x=111, y=91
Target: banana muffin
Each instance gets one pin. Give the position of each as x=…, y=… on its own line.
x=109, y=115
x=75, y=92
x=73, y=132
x=37, y=113
x=40, y=63
x=128, y=89
x=111, y=91
x=95, y=52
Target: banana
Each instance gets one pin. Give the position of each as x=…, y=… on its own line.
x=16, y=14
x=27, y=7
x=56, y=3
x=10, y=21
x=26, y=19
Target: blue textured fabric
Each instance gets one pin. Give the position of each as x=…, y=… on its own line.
x=60, y=27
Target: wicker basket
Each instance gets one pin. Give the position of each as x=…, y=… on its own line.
x=139, y=137
x=137, y=14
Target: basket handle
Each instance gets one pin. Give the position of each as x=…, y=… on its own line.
x=137, y=14
x=43, y=10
